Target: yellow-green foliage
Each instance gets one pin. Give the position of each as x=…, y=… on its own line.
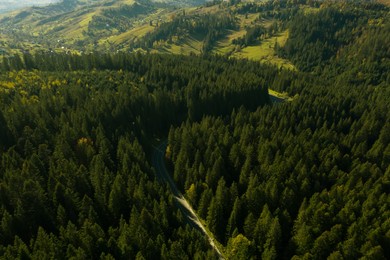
x=265, y=52
x=239, y=247
x=281, y=95
x=191, y=44
x=137, y=32
x=7, y=85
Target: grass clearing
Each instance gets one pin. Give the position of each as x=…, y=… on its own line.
x=246, y=20
x=225, y=46
x=74, y=29
x=191, y=44
x=137, y=32
x=310, y=10
x=265, y=51
x=140, y=29
x=280, y=95
x=86, y=20
x=194, y=44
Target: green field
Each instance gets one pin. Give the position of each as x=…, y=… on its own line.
x=265, y=52
x=280, y=95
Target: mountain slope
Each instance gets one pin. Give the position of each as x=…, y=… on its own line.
x=128, y=25
x=252, y=30
x=9, y=5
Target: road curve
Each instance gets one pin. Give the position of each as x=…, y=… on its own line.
x=164, y=176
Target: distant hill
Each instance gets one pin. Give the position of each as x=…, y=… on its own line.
x=143, y=25
x=256, y=30
x=9, y=5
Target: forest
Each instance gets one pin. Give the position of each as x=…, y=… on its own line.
x=301, y=179
x=75, y=141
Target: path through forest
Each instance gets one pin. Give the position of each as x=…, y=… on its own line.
x=163, y=175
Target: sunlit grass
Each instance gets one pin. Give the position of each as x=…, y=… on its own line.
x=86, y=20
x=280, y=95
x=265, y=52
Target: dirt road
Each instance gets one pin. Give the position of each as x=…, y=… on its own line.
x=164, y=176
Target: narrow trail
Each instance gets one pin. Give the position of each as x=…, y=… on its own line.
x=163, y=175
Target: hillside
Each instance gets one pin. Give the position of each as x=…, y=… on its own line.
x=67, y=24
x=10, y=5
x=74, y=23
x=255, y=30
x=127, y=25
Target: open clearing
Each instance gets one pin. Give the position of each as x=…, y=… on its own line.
x=265, y=52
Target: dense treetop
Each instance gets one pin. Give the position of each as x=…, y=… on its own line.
x=75, y=141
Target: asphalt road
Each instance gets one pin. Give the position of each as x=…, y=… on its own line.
x=164, y=177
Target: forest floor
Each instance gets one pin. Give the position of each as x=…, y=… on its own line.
x=164, y=176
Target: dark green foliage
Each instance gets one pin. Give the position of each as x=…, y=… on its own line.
x=5, y=136
x=307, y=178
x=283, y=10
x=368, y=62
x=316, y=38
x=73, y=141
x=308, y=165
x=200, y=86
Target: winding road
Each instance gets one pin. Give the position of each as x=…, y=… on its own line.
x=164, y=176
